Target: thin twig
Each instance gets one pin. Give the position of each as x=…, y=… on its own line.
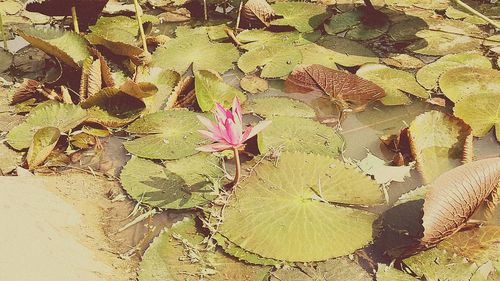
x=76, y=27
x=238, y=18
x=141, y=28
x=472, y=10
x=4, y=37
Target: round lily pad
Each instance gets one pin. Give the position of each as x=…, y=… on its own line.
x=268, y=107
x=396, y=83
x=348, y=52
x=428, y=75
x=282, y=210
x=481, y=112
x=179, y=254
x=170, y=134
x=299, y=134
x=254, y=84
x=50, y=114
x=180, y=184
x=276, y=61
x=461, y=82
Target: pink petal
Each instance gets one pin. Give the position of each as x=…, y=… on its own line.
x=255, y=130
x=214, y=147
x=220, y=112
x=209, y=135
x=206, y=122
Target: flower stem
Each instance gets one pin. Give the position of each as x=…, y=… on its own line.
x=472, y=10
x=141, y=28
x=75, y=19
x=238, y=166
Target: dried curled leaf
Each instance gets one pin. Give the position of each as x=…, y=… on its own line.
x=338, y=84
x=107, y=76
x=91, y=79
x=44, y=141
x=256, y=13
x=455, y=196
x=27, y=90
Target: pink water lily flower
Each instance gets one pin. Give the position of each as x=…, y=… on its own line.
x=228, y=131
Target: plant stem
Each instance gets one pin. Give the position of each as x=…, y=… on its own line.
x=141, y=28
x=205, y=9
x=4, y=37
x=472, y=10
x=238, y=167
x=75, y=19
x=239, y=17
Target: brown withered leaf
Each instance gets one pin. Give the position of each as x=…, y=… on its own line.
x=91, y=79
x=340, y=85
x=140, y=90
x=454, y=197
x=183, y=94
x=27, y=90
x=256, y=14
x=107, y=77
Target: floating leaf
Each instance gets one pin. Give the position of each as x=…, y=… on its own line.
x=299, y=134
x=300, y=222
x=396, y=83
x=428, y=75
x=165, y=81
x=210, y=90
x=403, y=61
x=50, y=114
x=335, y=269
x=254, y=84
x=256, y=13
x=6, y=59
x=275, y=106
x=256, y=38
x=455, y=196
x=389, y=273
x=66, y=46
x=214, y=32
x=481, y=112
x=305, y=17
x=112, y=107
x=382, y=173
x=352, y=22
x=347, y=52
x=461, y=82
x=276, y=61
x=447, y=37
x=439, y=142
x=241, y=254
x=340, y=85
x=91, y=79
x=44, y=141
x=179, y=253
x=170, y=134
x=180, y=184
x=140, y=90
x=119, y=34
x=179, y=53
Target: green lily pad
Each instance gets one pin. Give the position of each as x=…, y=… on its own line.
x=170, y=134
x=316, y=54
x=396, y=83
x=460, y=257
x=461, y=82
x=428, y=75
x=210, y=89
x=179, y=53
x=165, y=81
x=351, y=22
x=347, y=52
x=389, y=273
x=67, y=46
x=276, y=106
x=335, y=269
x=406, y=30
x=305, y=17
x=241, y=254
x=447, y=37
x=481, y=112
x=254, y=84
x=179, y=184
x=276, y=61
x=11, y=7
x=299, y=134
x=119, y=34
x=50, y=114
x=285, y=208
x=179, y=254
x=214, y=32
x=439, y=142
x=6, y=59
x=113, y=108
x=256, y=38
x=44, y=141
